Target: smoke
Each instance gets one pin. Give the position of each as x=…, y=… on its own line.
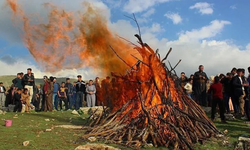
x=72, y=40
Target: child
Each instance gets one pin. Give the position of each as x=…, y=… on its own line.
x=17, y=99
x=62, y=96
x=25, y=98
x=217, y=95
x=188, y=87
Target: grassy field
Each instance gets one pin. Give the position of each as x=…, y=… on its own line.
x=31, y=127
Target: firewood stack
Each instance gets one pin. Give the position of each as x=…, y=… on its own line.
x=151, y=109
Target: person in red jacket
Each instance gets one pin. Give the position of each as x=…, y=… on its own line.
x=216, y=89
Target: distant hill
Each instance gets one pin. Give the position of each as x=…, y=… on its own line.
x=7, y=80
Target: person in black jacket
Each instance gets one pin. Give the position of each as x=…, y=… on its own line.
x=199, y=86
x=227, y=91
x=80, y=92
x=29, y=82
x=238, y=92
x=18, y=103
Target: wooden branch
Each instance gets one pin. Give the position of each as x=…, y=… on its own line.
x=176, y=65
x=119, y=56
x=167, y=55
x=140, y=60
x=135, y=20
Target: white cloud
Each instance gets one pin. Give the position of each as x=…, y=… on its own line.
x=233, y=7
x=149, y=12
x=203, y=7
x=197, y=49
x=134, y=6
x=21, y=65
x=175, y=17
x=155, y=28
x=208, y=31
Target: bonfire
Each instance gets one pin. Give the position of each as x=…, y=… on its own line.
x=152, y=108
x=148, y=107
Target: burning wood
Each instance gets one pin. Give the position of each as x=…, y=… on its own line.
x=151, y=108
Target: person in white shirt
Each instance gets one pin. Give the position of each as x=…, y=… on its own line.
x=2, y=95
x=189, y=87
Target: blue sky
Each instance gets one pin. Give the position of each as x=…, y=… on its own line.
x=213, y=33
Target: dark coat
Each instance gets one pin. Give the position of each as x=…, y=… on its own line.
x=26, y=77
x=80, y=86
x=18, y=83
x=199, y=84
x=237, y=86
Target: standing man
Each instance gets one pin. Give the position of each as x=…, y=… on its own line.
x=49, y=96
x=239, y=92
x=74, y=94
x=45, y=91
x=227, y=91
x=199, y=86
x=55, y=95
x=29, y=82
x=184, y=79
x=18, y=82
x=98, y=91
x=69, y=92
x=2, y=95
x=80, y=90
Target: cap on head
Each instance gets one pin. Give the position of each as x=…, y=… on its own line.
x=29, y=69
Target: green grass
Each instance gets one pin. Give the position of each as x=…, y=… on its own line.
x=31, y=127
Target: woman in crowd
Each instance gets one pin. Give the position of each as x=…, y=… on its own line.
x=90, y=90
x=217, y=95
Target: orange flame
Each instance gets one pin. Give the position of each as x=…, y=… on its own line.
x=73, y=41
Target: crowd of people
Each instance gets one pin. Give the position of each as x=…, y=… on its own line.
x=220, y=90
x=52, y=96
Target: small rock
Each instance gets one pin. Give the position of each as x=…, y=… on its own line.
x=244, y=139
x=74, y=112
x=48, y=130
x=149, y=145
x=46, y=119
x=26, y=143
x=225, y=142
x=219, y=135
x=95, y=147
x=225, y=132
x=229, y=117
x=92, y=139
